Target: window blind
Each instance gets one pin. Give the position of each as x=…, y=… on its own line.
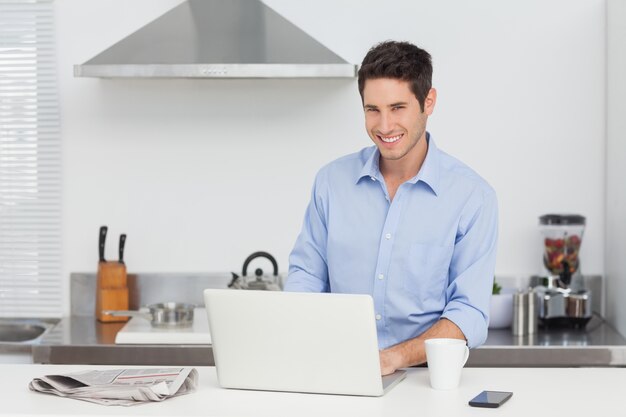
x=30, y=162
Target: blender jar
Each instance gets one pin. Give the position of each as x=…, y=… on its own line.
x=562, y=237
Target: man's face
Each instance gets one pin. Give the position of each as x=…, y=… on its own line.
x=393, y=117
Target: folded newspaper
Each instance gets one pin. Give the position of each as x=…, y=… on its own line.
x=120, y=386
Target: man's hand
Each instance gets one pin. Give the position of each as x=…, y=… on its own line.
x=412, y=351
x=389, y=361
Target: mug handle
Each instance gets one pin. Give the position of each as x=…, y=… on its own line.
x=466, y=356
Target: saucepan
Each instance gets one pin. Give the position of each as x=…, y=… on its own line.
x=162, y=315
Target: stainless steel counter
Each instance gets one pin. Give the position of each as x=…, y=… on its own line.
x=80, y=339
x=598, y=345
x=83, y=340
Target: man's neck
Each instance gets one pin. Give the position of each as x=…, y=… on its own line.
x=400, y=170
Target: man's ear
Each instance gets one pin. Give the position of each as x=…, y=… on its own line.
x=430, y=101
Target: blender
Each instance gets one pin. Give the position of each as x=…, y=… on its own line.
x=563, y=299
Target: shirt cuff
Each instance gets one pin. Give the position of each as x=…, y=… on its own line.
x=472, y=322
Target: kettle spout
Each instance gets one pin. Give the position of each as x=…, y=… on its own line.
x=235, y=282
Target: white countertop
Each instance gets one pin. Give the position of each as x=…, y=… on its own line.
x=138, y=330
x=573, y=391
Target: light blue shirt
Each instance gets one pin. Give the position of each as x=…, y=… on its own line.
x=428, y=253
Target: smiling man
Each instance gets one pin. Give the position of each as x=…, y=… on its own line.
x=402, y=220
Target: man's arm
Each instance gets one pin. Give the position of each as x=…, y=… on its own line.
x=308, y=271
x=469, y=290
x=472, y=269
x=412, y=351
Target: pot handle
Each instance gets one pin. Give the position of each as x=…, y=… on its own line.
x=259, y=255
x=123, y=313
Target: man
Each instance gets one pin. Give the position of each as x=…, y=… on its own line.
x=402, y=221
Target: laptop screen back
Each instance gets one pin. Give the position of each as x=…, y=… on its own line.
x=301, y=342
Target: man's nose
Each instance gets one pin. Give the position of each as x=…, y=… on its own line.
x=386, y=123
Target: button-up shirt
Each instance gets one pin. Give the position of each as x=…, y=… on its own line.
x=427, y=254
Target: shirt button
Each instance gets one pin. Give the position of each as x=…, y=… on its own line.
x=373, y=179
x=381, y=276
x=378, y=317
x=388, y=236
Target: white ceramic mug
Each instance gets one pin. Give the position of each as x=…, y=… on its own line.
x=446, y=358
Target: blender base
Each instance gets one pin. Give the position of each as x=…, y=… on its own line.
x=564, y=322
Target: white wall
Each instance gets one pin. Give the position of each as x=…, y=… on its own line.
x=615, y=260
x=200, y=173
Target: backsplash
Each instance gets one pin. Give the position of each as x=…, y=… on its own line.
x=147, y=288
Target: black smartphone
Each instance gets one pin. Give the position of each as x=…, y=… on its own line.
x=490, y=399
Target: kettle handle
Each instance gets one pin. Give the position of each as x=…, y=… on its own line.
x=259, y=255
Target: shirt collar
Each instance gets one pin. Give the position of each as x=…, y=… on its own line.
x=428, y=173
x=371, y=168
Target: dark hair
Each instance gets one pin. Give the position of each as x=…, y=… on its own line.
x=402, y=61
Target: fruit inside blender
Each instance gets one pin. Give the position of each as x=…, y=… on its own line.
x=562, y=252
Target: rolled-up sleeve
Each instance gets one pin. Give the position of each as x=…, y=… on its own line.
x=472, y=268
x=308, y=269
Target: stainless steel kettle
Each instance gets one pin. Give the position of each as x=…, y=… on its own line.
x=260, y=281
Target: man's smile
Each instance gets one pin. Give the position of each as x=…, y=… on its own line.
x=390, y=139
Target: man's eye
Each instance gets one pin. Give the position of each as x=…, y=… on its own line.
x=397, y=107
x=371, y=110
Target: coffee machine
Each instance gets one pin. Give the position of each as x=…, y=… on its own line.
x=563, y=300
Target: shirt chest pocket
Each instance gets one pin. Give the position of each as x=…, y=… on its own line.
x=426, y=275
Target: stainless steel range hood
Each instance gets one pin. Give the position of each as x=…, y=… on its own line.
x=218, y=39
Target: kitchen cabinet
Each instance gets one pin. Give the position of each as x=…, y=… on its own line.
x=591, y=391
x=615, y=244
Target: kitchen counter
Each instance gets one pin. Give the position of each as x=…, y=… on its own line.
x=598, y=345
x=79, y=339
x=83, y=340
x=589, y=391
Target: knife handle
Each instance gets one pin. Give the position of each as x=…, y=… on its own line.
x=101, y=242
x=121, y=248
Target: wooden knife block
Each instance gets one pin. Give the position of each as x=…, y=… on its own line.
x=111, y=291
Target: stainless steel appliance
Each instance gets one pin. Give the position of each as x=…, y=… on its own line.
x=260, y=281
x=218, y=39
x=164, y=315
x=562, y=298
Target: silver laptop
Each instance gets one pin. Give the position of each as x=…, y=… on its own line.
x=299, y=342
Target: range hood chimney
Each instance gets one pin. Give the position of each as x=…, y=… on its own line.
x=218, y=39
